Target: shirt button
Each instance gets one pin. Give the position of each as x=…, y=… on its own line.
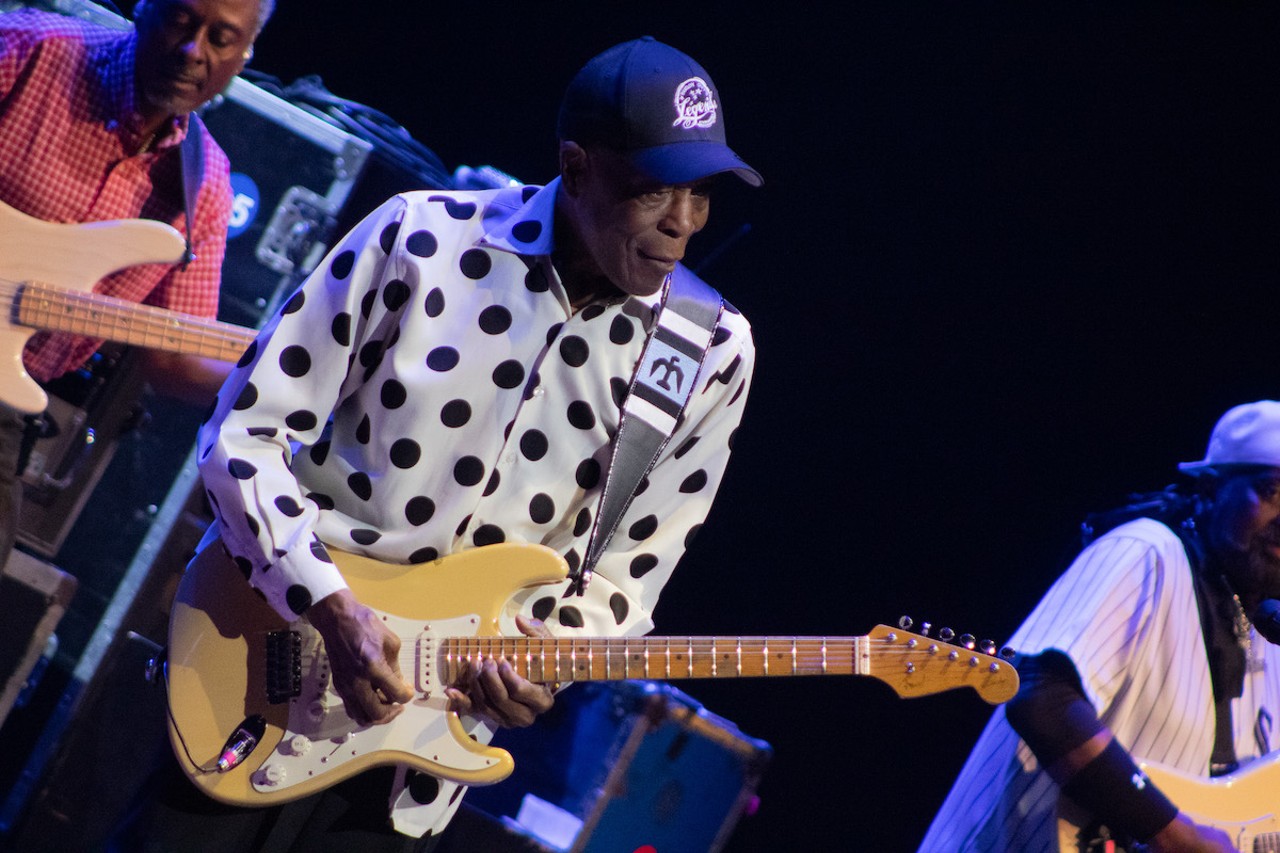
x=539, y=391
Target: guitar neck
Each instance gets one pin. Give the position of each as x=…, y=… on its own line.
x=666, y=658
x=55, y=309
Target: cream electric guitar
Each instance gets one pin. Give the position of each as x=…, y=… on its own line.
x=47, y=272
x=1244, y=804
x=252, y=692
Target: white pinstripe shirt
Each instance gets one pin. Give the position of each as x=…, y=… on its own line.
x=1125, y=613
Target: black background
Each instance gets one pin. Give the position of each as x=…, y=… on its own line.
x=1010, y=263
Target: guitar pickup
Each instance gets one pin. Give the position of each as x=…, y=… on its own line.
x=284, y=666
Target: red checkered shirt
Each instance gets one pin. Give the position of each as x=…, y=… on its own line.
x=68, y=133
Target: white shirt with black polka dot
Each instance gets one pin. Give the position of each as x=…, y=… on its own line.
x=429, y=389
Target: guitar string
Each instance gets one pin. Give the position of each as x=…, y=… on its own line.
x=56, y=306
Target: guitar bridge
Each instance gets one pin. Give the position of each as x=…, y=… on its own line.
x=284, y=666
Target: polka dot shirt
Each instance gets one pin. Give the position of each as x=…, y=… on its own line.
x=429, y=389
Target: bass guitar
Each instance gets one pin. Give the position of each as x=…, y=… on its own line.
x=47, y=272
x=241, y=680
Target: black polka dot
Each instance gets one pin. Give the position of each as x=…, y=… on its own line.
x=642, y=564
x=542, y=608
x=295, y=303
x=461, y=210
x=319, y=551
x=488, y=534
x=475, y=263
x=592, y=311
x=319, y=452
x=424, y=555
x=288, y=506
x=468, y=471
x=642, y=486
x=321, y=500
x=252, y=523
x=267, y=432
x=405, y=453
x=509, y=374
x=423, y=787
x=527, y=231
x=442, y=359
x=580, y=415
x=574, y=351
x=535, y=280
x=298, y=597
x=371, y=354
x=533, y=444
x=618, y=604
x=301, y=420
x=695, y=482
x=435, y=302
x=495, y=320
x=248, y=396
x=542, y=508
x=395, y=294
x=340, y=328
x=422, y=244
x=360, y=485
x=393, y=394
x=644, y=528
x=366, y=303
x=527, y=192
x=693, y=532
x=571, y=617
x=618, y=390
x=455, y=413
x=553, y=331
x=494, y=480
x=241, y=469
x=365, y=536
x=573, y=561
x=245, y=567
x=418, y=511
x=621, y=330
x=364, y=430
x=343, y=264
x=587, y=474
x=582, y=523
x=686, y=447
x=462, y=526
x=247, y=357
x=387, y=239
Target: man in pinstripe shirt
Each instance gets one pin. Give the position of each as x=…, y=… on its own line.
x=1142, y=652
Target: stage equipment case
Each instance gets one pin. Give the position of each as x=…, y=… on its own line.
x=621, y=766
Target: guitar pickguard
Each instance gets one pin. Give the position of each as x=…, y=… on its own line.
x=320, y=737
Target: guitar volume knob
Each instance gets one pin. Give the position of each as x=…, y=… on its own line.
x=299, y=745
x=271, y=775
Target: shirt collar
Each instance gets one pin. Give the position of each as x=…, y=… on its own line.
x=520, y=220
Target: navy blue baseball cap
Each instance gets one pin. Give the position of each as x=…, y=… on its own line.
x=656, y=105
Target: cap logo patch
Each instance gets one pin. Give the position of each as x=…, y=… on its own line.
x=695, y=104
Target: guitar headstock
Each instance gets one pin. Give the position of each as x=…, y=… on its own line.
x=919, y=665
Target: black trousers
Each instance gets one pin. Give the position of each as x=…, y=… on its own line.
x=171, y=815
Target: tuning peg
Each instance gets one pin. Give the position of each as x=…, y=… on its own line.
x=905, y=623
x=988, y=647
x=1008, y=653
x=946, y=635
x=968, y=641
x=924, y=628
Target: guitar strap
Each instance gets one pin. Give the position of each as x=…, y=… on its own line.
x=191, y=152
x=665, y=377
x=1226, y=658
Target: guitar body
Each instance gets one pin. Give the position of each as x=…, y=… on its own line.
x=1242, y=804
x=71, y=256
x=217, y=674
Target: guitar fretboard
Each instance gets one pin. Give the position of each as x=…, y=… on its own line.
x=55, y=309
x=609, y=659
